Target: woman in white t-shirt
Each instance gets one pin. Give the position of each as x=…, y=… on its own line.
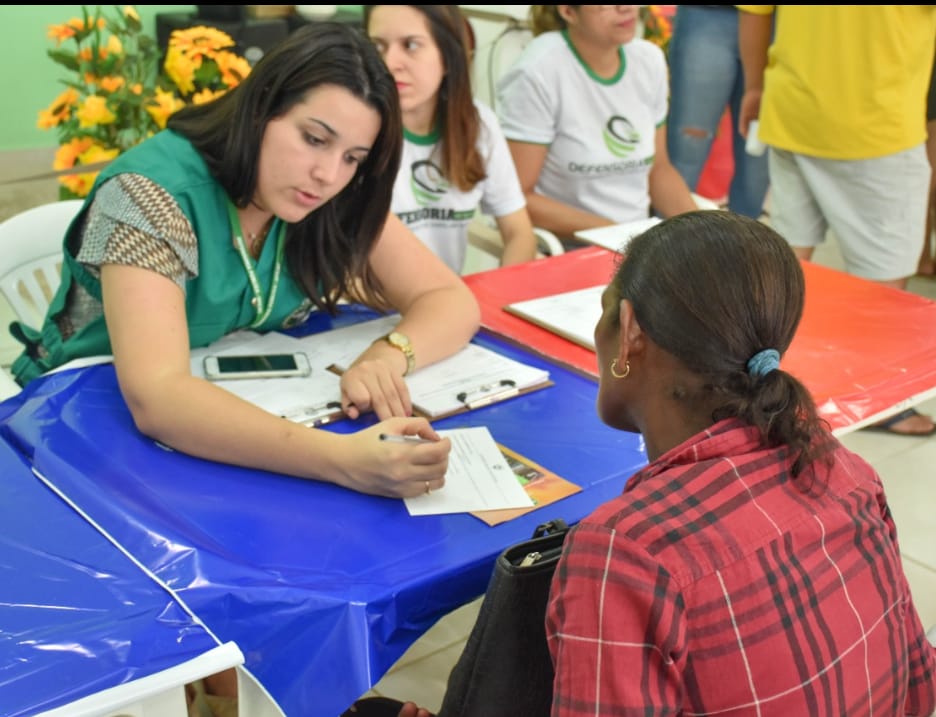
x=455, y=156
x=584, y=111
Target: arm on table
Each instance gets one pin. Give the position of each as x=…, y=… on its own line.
x=146, y=322
x=439, y=315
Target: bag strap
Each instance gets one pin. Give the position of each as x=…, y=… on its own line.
x=557, y=525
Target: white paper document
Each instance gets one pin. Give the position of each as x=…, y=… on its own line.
x=616, y=237
x=572, y=314
x=478, y=478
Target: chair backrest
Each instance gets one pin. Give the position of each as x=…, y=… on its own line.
x=31, y=257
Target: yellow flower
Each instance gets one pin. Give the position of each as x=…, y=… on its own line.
x=201, y=40
x=234, y=68
x=181, y=69
x=94, y=111
x=96, y=153
x=206, y=95
x=162, y=105
x=117, y=93
x=114, y=45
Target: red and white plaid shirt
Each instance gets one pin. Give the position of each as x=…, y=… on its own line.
x=713, y=586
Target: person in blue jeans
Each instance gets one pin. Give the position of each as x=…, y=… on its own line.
x=705, y=78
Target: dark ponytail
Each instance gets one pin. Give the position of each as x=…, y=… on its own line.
x=715, y=290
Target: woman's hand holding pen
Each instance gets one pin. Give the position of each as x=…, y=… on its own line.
x=399, y=457
x=375, y=383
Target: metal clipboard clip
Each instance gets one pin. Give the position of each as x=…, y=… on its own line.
x=488, y=393
x=315, y=416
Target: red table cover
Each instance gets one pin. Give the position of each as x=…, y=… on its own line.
x=864, y=350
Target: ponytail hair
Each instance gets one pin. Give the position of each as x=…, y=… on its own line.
x=724, y=294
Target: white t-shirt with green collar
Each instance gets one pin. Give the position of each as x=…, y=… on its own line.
x=600, y=132
x=438, y=213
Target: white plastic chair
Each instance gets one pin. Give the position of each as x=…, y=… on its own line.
x=31, y=257
x=485, y=244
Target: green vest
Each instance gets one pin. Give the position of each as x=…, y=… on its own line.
x=217, y=300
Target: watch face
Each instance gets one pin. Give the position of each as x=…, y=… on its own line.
x=397, y=339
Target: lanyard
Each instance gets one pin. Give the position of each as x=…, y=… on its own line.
x=262, y=306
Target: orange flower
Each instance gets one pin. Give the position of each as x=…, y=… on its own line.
x=111, y=83
x=59, y=110
x=234, y=68
x=67, y=154
x=60, y=33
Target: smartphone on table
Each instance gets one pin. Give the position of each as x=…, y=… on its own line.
x=223, y=368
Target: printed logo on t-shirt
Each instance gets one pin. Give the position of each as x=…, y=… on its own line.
x=427, y=182
x=620, y=137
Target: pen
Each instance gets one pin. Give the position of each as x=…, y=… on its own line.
x=394, y=438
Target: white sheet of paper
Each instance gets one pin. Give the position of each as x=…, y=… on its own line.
x=616, y=237
x=478, y=478
x=572, y=314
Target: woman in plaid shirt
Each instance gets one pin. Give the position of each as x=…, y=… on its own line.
x=752, y=568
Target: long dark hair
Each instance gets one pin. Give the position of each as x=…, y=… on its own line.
x=327, y=252
x=713, y=289
x=456, y=115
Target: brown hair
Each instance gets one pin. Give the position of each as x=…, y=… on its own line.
x=327, y=252
x=546, y=18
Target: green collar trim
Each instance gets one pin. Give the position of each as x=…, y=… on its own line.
x=591, y=73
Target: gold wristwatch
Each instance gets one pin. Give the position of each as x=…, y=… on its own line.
x=402, y=342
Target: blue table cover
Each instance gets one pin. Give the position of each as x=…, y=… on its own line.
x=322, y=588
x=76, y=615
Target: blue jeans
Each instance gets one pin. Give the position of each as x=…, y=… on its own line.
x=705, y=78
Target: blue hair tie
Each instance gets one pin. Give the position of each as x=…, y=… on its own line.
x=763, y=362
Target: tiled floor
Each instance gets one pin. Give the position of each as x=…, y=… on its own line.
x=905, y=464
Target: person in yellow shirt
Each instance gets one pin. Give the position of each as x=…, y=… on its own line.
x=840, y=93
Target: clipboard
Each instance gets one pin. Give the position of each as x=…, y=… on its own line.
x=483, y=395
x=571, y=314
x=471, y=378
x=314, y=415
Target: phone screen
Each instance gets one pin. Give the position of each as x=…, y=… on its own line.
x=268, y=362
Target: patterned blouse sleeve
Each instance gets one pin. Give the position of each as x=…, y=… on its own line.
x=616, y=629
x=135, y=222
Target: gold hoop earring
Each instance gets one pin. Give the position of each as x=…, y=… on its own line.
x=626, y=372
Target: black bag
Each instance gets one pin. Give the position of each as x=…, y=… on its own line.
x=505, y=668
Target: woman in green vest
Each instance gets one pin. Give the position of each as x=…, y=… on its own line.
x=248, y=213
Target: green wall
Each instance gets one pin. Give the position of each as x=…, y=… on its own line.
x=29, y=80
